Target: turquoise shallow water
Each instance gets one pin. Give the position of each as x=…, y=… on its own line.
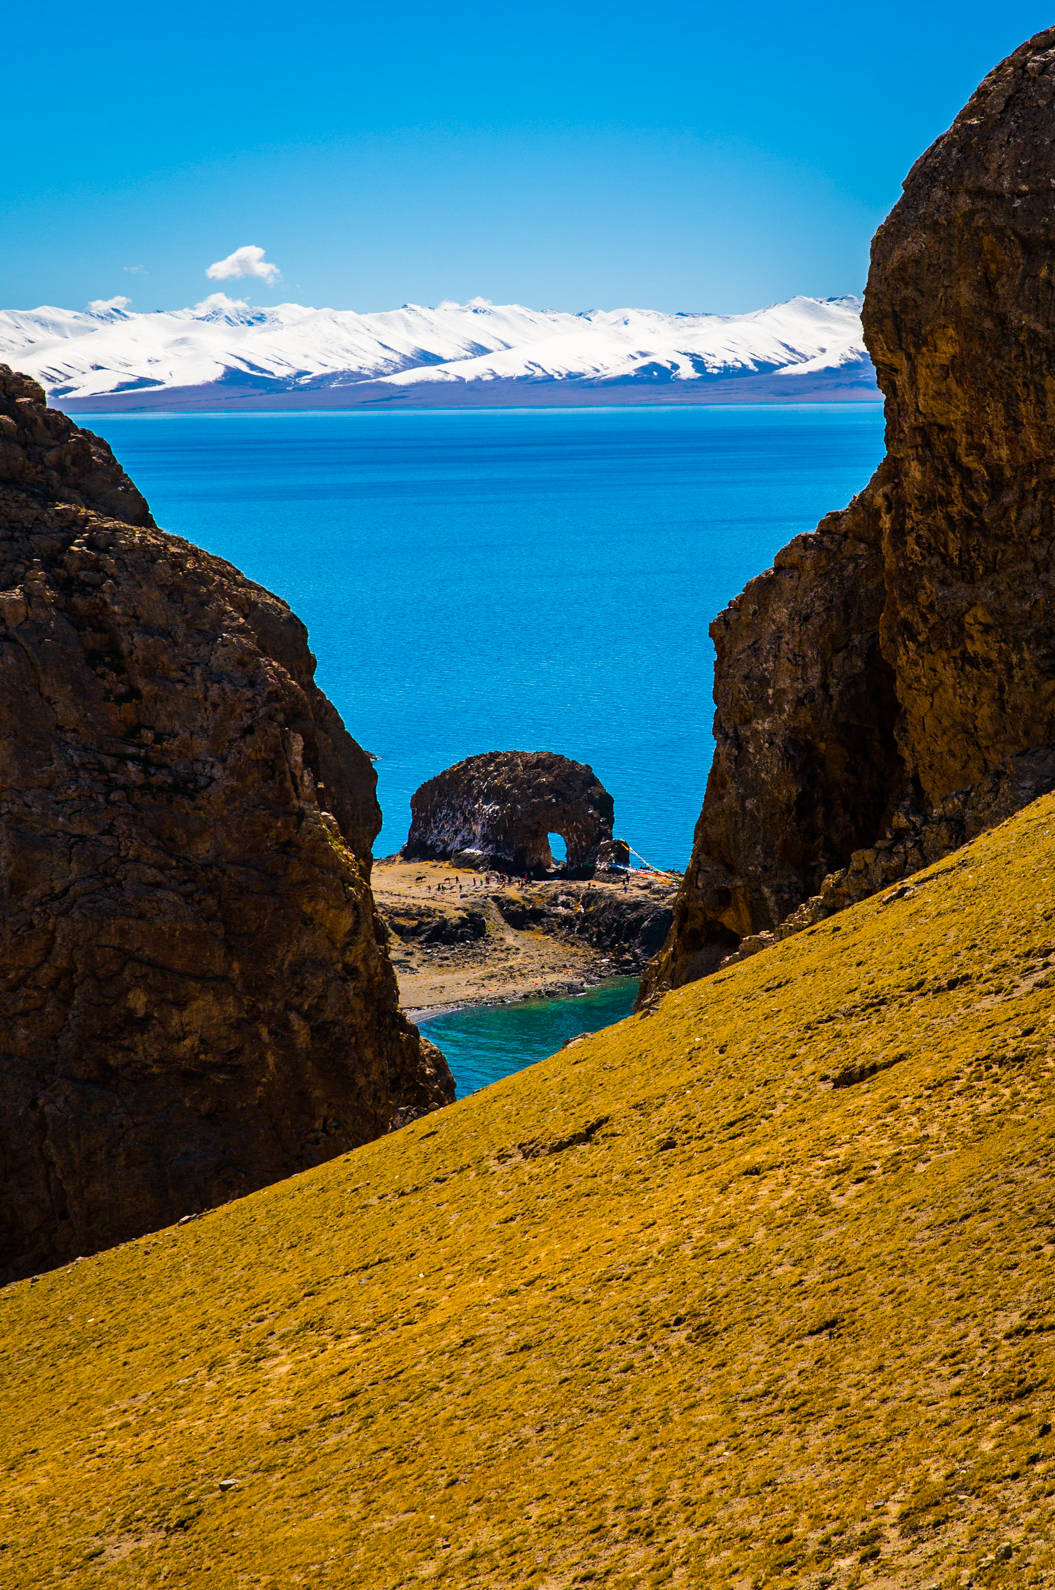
x=485, y=1044
x=477, y=581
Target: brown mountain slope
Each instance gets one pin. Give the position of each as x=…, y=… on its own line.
x=755, y=1290
x=907, y=647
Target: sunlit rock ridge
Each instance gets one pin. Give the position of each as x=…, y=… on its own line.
x=224, y=352
x=898, y=656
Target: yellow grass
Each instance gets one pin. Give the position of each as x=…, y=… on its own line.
x=668, y=1309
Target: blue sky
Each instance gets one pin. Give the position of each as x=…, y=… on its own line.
x=680, y=156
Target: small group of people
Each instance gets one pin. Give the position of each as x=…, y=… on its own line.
x=463, y=886
x=493, y=880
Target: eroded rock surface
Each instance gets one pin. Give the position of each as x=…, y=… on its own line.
x=907, y=647
x=916, y=839
x=496, y=811
x=194, y=994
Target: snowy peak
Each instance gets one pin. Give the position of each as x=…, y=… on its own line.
x=225, y=349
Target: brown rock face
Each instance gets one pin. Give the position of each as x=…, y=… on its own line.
x=916, y=839
x=497, y=810
x=961, y=325
x=194, y=996
x=907, y=647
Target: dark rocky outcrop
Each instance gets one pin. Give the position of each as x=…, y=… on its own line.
x=613, y=855
x=907, y=647
x=497, y=810
x=430, y=925
x=629, y=927
x=916, y=839
x=194, y=994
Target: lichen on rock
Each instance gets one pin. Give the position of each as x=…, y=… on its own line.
x=195, y=998
x=907, y=647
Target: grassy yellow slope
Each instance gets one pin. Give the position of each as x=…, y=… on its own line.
x=756, y=1289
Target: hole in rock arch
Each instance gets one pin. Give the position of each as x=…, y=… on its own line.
x=558, y=849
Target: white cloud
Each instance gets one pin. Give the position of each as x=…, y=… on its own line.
x=246, y=261
x=99, y=306
x=219, y=301
x=134, y=270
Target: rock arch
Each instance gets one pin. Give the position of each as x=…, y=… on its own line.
x=498, y=810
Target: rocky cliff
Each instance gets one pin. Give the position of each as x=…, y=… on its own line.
x=907, y=647
x=194, y=996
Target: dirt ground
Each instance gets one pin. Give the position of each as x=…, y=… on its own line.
x=462, y=938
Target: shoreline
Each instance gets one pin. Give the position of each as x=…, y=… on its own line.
x=459, y=939
x=418, y=1014
x=731, y=392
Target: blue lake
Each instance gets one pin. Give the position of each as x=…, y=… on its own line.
x=483, y=1045
x=530, y=579
x=533, y=579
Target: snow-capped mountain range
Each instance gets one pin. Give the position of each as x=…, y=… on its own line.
x=225, y=353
